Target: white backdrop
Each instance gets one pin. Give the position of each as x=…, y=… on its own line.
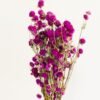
x=16, y=83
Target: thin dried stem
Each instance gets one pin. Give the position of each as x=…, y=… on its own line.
x=75, y=56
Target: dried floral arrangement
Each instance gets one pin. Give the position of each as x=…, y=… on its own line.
x=55, y=54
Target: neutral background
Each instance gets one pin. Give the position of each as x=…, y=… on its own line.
x=16, y=83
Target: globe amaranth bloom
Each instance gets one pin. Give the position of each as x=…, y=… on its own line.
x=58, y=32
x=33, y=29
x=59, y=74
x=80, y=50
x=39, y=96
x=43, y=52
x=35, y=18
x=32, y=13
x=31, y=42
x=68, y=26
x=85, y=16
x=41, y=3
x=57, y=23
x=56, y=53
x=35, y=72
x=31, y=64
x=82, y=41
x=41, y=14
x=44, y=75
x=50, y=17
x=37, y=39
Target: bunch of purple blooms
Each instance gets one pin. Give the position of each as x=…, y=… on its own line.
x=55, y=53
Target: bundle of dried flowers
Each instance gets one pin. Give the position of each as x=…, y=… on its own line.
x=55, y=54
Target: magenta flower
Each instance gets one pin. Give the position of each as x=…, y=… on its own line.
x=57, y=23
x=80, y=51
x=82, y=41
x=39, y=96
x=59, y=74
x=85, y=17
x=31, y=42
x=35, y=18
x=31, y=64
x=38, y=81
x=69, y=27
x=58, y=32
x=33, y=29
x=35, y=72
x=34, y=59
x=43, y=52
x=40, y=3
x=50, y=17
x=44, y=75
x=32, y=14
x=41, y=14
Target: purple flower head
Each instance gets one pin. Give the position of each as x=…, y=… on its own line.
x=82, y=41
x=55, y=69
x=41, y=14
x=35, y=72
x=88, y=12
x=50, y=17
x=35, y=18
x=50, y=61
x=50, y=33
x=48, y=91
x=47, y=67
x=33, y=29
x=58, y=32
x=48, y=87
x=58, y=90
x=80, y=50
x=43, y=64
x=36, y=63
x=41, y=84
x=31, y=64
x=85, y=17
x=64, y=36
x=56, y=53
x=59, y=56
x=39, y=24
x=40, y=3
x=34, y=59
x=43, y=52
x=38, y=81
x=31, y=42
x=68, y=26
x=39, y=96
x=32, y=14
x=59, y=74
x=44, y=25
x=57, y=23
x=37, y=39
x=73, y=50
x=44, y=75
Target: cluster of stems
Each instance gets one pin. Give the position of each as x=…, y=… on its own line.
x=55, y=54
